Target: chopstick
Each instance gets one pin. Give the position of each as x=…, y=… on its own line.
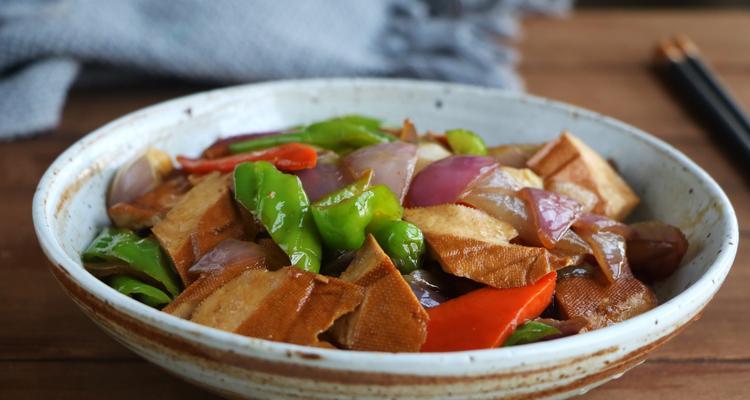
x=682, y=62
x=692, y=54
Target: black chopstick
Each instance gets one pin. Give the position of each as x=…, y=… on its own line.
x=692, y=54
x=724, y=114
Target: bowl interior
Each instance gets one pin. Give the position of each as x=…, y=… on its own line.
x=669, y=190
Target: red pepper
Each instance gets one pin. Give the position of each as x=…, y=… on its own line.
x=286, y=157
x=484, y=318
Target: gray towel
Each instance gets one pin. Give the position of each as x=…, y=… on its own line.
x=44, y=43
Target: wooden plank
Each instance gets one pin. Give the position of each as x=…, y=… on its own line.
x=624, y=39
x=679, y=381
x=94, y=380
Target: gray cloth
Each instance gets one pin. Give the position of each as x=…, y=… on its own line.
x=44, y=43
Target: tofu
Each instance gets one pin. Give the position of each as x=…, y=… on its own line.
x=390, y=317
x=525, y=177
x=287, y=305
x=205, y=216
x=568, y=159
x=600, y=303
x=470, y=243
x=255, y=256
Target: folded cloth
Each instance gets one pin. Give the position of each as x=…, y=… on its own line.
x=44, y=43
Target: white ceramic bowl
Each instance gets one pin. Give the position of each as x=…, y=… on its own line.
x=69, y=210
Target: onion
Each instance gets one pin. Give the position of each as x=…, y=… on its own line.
x=609, y=251
x=655, y=250
x=513, y=155
x=321, y=180
x=593, y=223
x=571, y=244
x=392, y=165
x=495, y=192
x=443, y=181
x=553, y=213
x=228, y=253
x=426, y=288
x=139, y=176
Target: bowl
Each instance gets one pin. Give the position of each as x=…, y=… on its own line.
x=69, y=210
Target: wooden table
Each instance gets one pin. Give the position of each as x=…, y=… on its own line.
x=599, y=60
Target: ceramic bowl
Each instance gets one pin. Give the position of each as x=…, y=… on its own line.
x=69, y=209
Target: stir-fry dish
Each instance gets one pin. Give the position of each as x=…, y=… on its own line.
x=351, y=235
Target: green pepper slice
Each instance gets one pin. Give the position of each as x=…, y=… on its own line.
x=339, y=134
x=280, y=203
x=342, y=217
x=138, y=290
x=403, y=242
x=466, y=142
x=530, y=332
x=140, y=257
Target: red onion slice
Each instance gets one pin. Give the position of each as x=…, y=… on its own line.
x=443, y=181
x=609, y=251
x=593, y=223
x=321, y=180
x=552, y=213
x=227, y=253
x=139, y=176
x=392, y=165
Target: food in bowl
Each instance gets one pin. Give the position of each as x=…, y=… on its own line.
x=348, y=234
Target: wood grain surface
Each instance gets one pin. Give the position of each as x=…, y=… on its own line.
x=599, y=60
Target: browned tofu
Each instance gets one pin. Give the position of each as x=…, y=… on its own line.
x=147, y=210
x=568, y=159
x=287, y=305
x=600, y=303
x=219, y=272
x=390, y=317
x=469, y=243
x=205, y=216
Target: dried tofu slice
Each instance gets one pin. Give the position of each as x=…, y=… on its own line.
x=148, y=209
x=205, y=216
x=568, y=159
x=525, y=177
x=601, y=304
x=461, y=221
x=390, y=317
x=469, y=243
x=287, y=305
x=253, y=256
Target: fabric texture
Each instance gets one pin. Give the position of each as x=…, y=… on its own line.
x=45, y=43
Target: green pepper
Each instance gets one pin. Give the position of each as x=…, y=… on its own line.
x=466, y=142
x=338, y=134
x=530, y=332
x=342, y=217
x=346, y=216
x=280, y=203
x=138, y=290
x=132, y=255
x=361, y=120
x=402, y=241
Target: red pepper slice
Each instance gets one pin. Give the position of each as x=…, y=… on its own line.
x=286, y=157
x=484, y=318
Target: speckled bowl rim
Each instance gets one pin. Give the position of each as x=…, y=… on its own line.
x=455, y=363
